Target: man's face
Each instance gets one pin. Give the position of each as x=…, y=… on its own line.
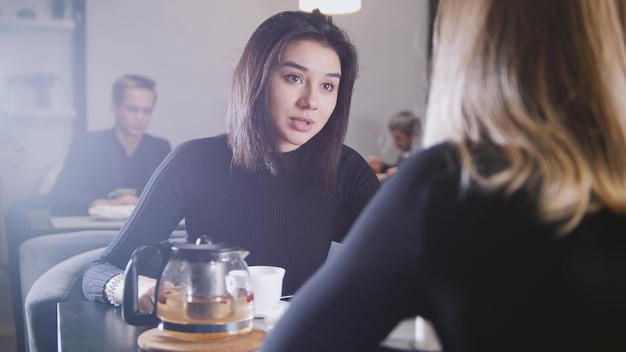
x=133, y=115
x=401, y=140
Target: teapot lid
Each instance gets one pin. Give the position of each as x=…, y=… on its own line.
x=215, y=247
x=204, y=243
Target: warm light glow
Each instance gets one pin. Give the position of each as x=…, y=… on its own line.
x=331, y=7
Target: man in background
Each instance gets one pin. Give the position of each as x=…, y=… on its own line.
x=111, y=167
x=405, y=128
x=114, y=163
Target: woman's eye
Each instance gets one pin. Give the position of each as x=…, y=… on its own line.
x=293, y=78
x=328, y=86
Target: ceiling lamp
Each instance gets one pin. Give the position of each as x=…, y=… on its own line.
x=331, y=7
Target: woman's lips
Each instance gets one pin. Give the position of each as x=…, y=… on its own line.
x=301, y=124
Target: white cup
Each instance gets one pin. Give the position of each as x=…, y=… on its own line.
x=267, y=286
x=426, y=338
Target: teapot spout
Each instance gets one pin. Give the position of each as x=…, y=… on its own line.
x=243, y=254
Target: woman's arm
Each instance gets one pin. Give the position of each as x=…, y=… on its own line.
x=358, y=296
x=160, y=209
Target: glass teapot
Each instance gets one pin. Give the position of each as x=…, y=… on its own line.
x=203, y=291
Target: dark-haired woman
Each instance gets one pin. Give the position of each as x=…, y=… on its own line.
x=280, y=184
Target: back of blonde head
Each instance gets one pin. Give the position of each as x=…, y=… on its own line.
x=544, y=82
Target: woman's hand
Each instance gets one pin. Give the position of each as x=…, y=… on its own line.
x=146, y=288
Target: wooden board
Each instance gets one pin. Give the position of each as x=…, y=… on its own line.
x=154, y=340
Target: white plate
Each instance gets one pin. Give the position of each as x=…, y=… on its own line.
x=111, y=212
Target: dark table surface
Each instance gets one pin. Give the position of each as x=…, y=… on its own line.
x=95, y=326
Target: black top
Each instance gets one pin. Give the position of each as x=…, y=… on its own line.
x=480, y=266
x=285, y=220
x=97, y=164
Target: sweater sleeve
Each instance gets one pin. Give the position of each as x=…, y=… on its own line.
x=161, y=207
x=347, y=302
x=96, y=278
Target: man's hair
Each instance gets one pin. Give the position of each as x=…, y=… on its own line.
x=406, y=122
x=131, y=81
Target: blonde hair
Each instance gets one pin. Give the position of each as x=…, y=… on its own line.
x=544, y=82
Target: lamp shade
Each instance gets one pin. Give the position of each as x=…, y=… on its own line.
x=331, y=7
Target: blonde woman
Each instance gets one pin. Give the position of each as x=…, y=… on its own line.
x=508, y=231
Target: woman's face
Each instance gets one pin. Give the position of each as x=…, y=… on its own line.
x=303, y=92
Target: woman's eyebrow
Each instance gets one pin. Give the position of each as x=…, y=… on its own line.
x=302, y=68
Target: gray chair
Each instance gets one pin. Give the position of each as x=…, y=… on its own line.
x=39, y=258
x=39, y=254
x=62, y=283
x=51, y=272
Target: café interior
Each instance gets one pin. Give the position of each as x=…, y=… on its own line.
x=61, y=57
x=72, y=282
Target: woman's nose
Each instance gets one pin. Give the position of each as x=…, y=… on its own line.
x=309, y=99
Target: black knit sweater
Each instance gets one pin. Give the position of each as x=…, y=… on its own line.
x=285, y=220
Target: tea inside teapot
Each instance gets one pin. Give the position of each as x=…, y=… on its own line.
x=221, y=316
x=197, y=297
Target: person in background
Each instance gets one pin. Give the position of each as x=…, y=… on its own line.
x=112, y=167
x=281, y=183
x=98, y=163
x=508, y=231
x=406, y=129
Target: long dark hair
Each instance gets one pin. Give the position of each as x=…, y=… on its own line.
x=251, y=135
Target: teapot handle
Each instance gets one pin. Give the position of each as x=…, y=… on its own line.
x=130, y=310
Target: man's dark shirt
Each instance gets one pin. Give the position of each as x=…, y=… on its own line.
x=97, y=164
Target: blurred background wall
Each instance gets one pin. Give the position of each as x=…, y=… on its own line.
x=77, y=48
x=191, y=47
